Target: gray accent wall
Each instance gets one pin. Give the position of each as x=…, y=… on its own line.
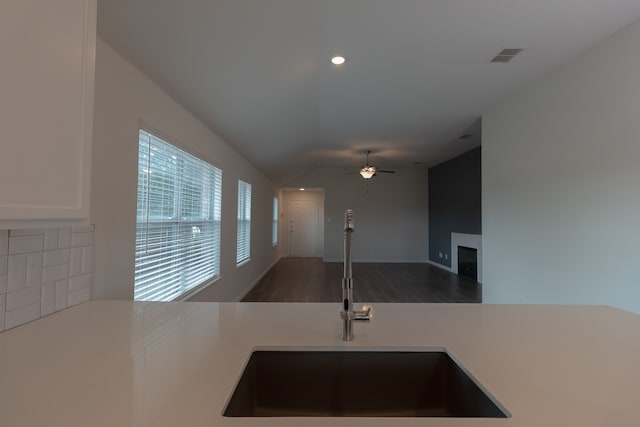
x=455, y=202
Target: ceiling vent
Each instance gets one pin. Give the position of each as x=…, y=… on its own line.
x=506, y=55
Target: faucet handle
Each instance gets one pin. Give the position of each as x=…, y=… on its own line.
x=363, y=315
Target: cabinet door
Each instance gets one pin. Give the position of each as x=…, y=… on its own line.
x=47, y=61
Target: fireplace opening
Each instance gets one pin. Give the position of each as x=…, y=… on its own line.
x=468, y=262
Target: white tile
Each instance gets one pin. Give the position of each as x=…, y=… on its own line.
x=62, y=293
x=23, y=298
x=34, y=269
x=22, y=315
x=26, y=244
x=26, y=232
x=55, y=272
x=79, y=282
x=56, y=257
x=80, y=296
x=17, y=268
x=4, y=242
x=2, y=298
x=83, y=229
x=64, y=237
x=81, y=239
x=4, y=264
x=50, y=239
x=4, y=270
x=48, y=299
x=75, y=265
x=87, y=259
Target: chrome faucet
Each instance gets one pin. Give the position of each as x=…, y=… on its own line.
x=348, y=314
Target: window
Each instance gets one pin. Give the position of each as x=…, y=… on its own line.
x=244, y=222
x=274, y=230
x=178, y=221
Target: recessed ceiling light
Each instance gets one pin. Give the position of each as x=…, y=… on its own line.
x=302, y=189
x=338, y=60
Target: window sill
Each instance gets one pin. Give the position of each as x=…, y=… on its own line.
x=191, y=292
x=243, y=262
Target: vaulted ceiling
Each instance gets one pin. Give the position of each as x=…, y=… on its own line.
x=418, y=72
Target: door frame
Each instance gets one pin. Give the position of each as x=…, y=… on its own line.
x=289, y=194
x=314, y=212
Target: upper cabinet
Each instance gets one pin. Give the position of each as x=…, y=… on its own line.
x=47, y=73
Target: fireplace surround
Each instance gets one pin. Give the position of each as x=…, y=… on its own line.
x=473, y=241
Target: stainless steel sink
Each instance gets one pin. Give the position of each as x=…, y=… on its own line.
x=358, y=384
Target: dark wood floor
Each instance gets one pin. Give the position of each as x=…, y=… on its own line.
x=312, y=280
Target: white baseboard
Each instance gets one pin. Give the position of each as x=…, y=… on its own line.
x=255, y=282
x=444, y=267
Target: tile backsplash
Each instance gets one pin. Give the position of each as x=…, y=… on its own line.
x=43, y=271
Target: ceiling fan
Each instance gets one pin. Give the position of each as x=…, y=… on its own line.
x=368, y=171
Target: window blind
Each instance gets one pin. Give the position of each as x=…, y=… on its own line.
x=274, y=230
x=178, y=221
x=244, y=222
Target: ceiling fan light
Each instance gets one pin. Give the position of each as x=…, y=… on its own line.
x=367, y=172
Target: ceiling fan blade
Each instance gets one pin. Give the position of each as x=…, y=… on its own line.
x=385, y=171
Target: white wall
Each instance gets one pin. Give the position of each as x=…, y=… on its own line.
x=391, y=215
x=123, y=98
x=561, y=184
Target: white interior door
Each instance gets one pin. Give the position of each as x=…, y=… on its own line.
x=303, y=236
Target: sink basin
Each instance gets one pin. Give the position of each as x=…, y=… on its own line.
x=358, y=384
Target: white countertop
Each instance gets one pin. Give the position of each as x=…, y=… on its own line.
x=116, y=364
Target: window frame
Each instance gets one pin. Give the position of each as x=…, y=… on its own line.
x=274, y=226
x=178, y=234
x=243, y=234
